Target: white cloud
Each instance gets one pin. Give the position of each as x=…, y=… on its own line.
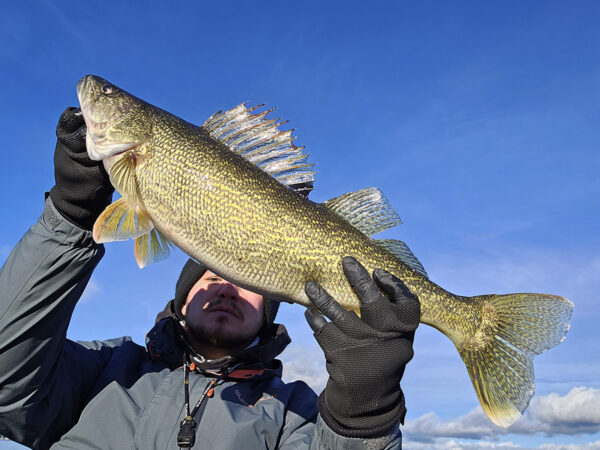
x=91, y=290
x=454, y=445
x=589, y=446
x=473, y=425
x=306, y=364
x=451, y=444
x=577, y=412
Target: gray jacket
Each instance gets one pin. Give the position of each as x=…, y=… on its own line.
x=116, y=394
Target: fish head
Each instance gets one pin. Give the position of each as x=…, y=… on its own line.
x=116, y=120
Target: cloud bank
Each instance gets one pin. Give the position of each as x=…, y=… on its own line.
x=577, y=412
x=451, y=444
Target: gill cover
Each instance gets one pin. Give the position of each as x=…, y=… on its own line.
x=116, y=120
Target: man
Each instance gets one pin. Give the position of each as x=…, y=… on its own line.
x=208, y=377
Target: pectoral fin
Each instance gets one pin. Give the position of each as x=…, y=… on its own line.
x=122, y=177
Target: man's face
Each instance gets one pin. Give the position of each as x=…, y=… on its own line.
x=222, y=314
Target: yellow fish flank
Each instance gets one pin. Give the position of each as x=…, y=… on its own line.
x=221, y=193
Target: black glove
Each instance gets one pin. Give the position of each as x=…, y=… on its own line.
x=365, y=356
x=82, y=188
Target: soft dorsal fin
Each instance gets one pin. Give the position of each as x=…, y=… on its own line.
x=261, y=142
x=402, y=252
x=367, y=209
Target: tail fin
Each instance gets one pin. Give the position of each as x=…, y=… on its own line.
x=500, y=358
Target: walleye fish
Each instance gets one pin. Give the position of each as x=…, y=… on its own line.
x=221, y=193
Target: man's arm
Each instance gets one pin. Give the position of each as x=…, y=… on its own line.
x=40, y=283
x=44, y=378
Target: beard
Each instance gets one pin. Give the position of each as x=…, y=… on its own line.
x=221, y=337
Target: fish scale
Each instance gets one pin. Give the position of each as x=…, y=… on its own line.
x=221, y=192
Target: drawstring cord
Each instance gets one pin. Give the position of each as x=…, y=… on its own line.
x=187, y=428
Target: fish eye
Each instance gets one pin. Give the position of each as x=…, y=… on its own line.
x=108, y=89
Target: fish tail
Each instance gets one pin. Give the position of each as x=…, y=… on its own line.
x=499, y=355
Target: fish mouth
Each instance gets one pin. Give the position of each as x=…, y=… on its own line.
x=88, y=93
x=83, y=82
x=89, y=84
x=81, y=85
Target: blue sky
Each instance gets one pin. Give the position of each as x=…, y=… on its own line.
x=479, y=122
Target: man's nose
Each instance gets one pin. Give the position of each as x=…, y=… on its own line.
x=228, y=290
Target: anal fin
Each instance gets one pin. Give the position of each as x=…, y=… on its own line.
x=150, y=248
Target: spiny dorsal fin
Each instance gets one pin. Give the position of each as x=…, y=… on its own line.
x=403, y=253
x=150, y=248
x=367, y=209
x=119, y=222
x=261, y=142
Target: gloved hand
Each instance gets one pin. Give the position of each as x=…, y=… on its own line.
x=365, y=356
x=82, y=187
